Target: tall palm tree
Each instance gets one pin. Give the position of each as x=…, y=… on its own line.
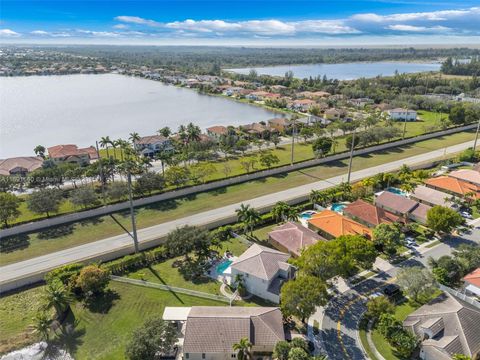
x=104, y=142
x=244, y=348
x=249, y=216
x=165, y=157
x=42, y=324
x=165, y=131
x=57, y=297
x=114, y=144
x=182, y=133
x=193, y=132
x=280, y=210
x=134, y=137
x=318, y=197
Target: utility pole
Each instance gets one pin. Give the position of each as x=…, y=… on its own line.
x=102, y=178
x=404, y=126
x=476, y=137
x=351, y=156
x=293, y=140
x=132, y=214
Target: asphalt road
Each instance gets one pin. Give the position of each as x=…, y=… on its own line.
x=339, y=333
x=43, y=264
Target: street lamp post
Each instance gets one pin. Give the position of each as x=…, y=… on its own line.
x=351, y=156
x=132, y=214
x=293, y=141
x=476, y=137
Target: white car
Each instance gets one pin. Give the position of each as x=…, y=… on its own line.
x=466, y=215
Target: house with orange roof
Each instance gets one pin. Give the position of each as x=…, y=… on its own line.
x=472, y=283
x=72, y=154
x=331, y=224
x=467, y=175
x=453, y=186
x=217, y=131
x=368, y=214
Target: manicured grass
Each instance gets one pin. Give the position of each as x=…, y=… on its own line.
x=95, y=229
x=383, y=347
x=16, y=314
x=364, y=340
x=261, y=233
x=102, y=333
x=435, y=243
x=165, y=273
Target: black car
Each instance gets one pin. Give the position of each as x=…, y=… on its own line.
x=391, y=290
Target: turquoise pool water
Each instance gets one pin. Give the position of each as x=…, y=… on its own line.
x=338, y=207
x=307, y=215
x=397, y=191
x=223, y=266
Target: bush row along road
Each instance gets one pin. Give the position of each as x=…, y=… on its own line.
x=9, y=274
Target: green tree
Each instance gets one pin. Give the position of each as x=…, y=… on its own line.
x=281, y=350
x=177, y=175
x=298, y=354
x=242, y=145
x=417, y=283
x=275, y=139
x=92, y=280
x=39, y=150
x=299, y=297
x=9, y=205
x=443, y=220
x=186, y=239
x=202, y=171
x=243, y=349
x=117, y=190
x=461, y=357
x=149, y=182
x=154, y=337
x=388, y=237
x=268, y=159
x=249, y=216
x=378, y=306
x=404, y=342
x=104, y=143
x=56, y=296
x=165, y=131
x=322, y=146
x=84, y=196
x=42, y=324
x=457, y=114
x=280, y=210
x=306, y=133
x=44, y=201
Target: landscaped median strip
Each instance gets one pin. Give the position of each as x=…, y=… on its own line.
x=170, y=288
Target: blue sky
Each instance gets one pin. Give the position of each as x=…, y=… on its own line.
x=232, y=22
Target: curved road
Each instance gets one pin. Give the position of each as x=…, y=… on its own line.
x=339, y=331
x=32, y=270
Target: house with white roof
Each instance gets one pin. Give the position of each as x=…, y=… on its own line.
x=263, y=271
x=402, y=114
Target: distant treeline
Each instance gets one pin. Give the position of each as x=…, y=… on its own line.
x=209, y=60
x=459, y=67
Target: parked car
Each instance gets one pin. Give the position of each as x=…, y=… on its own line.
x=410, y=242
x=466, y=215
x=391, y=290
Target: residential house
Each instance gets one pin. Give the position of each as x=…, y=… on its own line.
x=211, y=331
x=257, y=95
x=472, y=283
x=332, y=114
x=331, y=225
x=467, y=175
x=446, y=326
x=61, y=154
x=402, y=114
x=255, y=129
x=20, y=165
x=399, y=205
x=216, y=132
x=431, y=197
x=368, y=214
x=263, y=271
x=302, y=104
x=453, y=186
x=151, y=145
x=280, y=124
x=292, y=237
x=360, y=102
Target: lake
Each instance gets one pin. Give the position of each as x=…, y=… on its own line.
x=345, y=71
x=79, y=109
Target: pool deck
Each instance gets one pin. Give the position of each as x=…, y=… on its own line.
x=226, y=275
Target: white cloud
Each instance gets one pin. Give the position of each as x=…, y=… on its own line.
x=120, y=26
x=137, y=20
x=98, y=33
x=39, y=32
x=441, y=15
x=8, y=33
x=411, y=28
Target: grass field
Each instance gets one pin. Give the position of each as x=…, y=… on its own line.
x=55, y=239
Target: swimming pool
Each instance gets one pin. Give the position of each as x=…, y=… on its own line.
x=397, y=191
x=307, y=214
x=223, y=266
x=337, y=207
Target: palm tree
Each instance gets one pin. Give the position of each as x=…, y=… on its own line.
x=42, y=324
x=39, y=150
x=249, y=216
x=244, y=348
x=318, y=197
x=134, y=138
x=165, y=131
x=193, y=132
x=182, y=133
x=165, y=157
x=57, y=297
x=280, y=210
x=114, y=144
x=291, y=214
x=104, y=142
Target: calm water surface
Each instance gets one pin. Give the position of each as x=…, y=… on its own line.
x=346, y=71
x=79, y=109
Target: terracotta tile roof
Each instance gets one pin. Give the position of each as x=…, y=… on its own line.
x=431, y=196
x=294, y=237
x=61, y=151
x=29, y=163
x=369, y=213
x=453, y=185
x=420, y=212
x=473, y=278
x=261, y=262
x=337, y=225
x=467, y=175
x=395, y=202
x=280, y=121
x=220, y=130
x=214, y=329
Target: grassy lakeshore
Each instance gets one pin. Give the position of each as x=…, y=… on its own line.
x=36, y=244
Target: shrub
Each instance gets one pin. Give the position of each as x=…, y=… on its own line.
x=66, y=274
x=92, y=280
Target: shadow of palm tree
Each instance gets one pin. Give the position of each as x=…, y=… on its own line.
x=102, y=303
x=14, y=243
x=56, y=232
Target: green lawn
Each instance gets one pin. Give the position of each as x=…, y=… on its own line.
x=383, y=347
x=165, y=273
x=16, y=314
x=36, y=244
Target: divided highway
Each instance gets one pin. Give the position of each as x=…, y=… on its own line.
x=30, y=271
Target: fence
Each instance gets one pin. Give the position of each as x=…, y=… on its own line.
x=459, y=295
x=106, y=210
x=170, y=288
